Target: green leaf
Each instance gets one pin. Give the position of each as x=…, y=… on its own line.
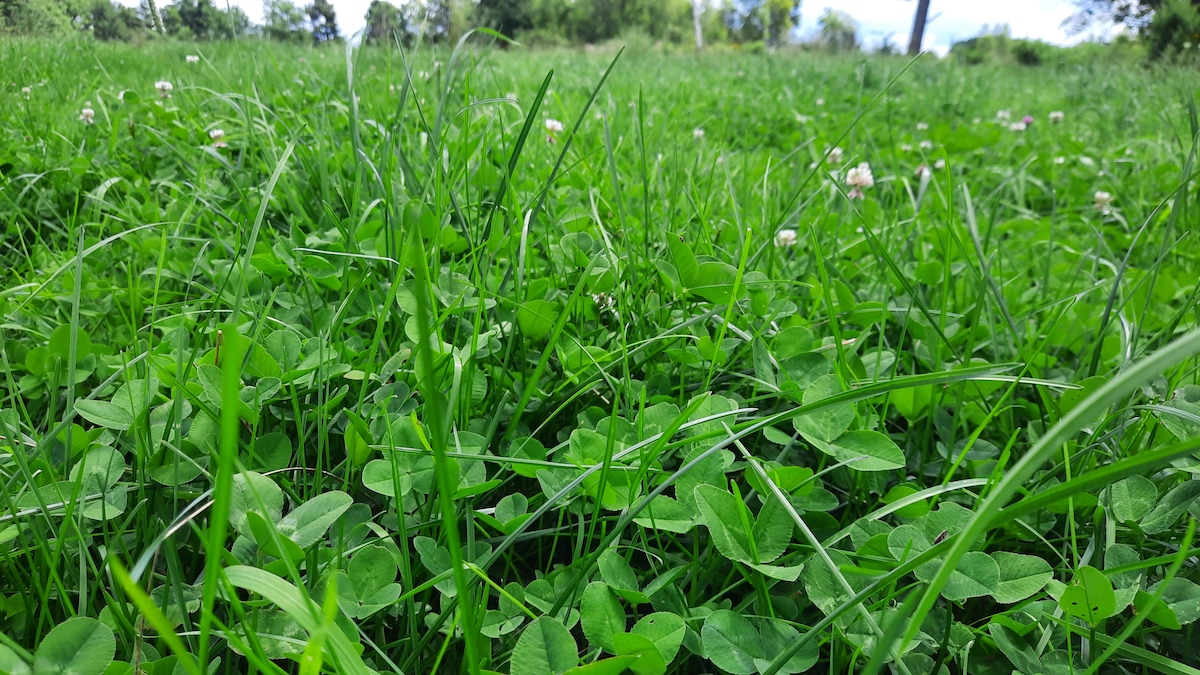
x=732, y=643
x=104, y=414
x=11, y=664
x=1183, y=597
x=975, y=575
x=1016, y=649
x=299, y=607
x=1020, y=576
x=373, y=569
x=101, y=468
x=78, y=646
x=778, y=636
x=665, y=630
x=715, y=281
x=1156, y=610
x=1133, y=498
x=536, y=318
x=666, y=514
x=1170, y=507
x=685, y=261
x=720, y=510
x=307, y=523
x=612, y=666
x=822, y=426
x=527, y=448
x=254, y=492
x=1089, y=596
x=379, y=477
x=772, y=530
x=601, y=615
x=60, y=343
x=545, y=648
x=650, y=660
x=866, y=450
x=270, y=540
x=620, y=576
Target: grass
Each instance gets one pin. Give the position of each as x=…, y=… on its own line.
x=393, y=376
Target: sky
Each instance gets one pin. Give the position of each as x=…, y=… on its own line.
x=950, y=20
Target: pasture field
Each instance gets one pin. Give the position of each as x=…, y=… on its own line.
x=529, y=362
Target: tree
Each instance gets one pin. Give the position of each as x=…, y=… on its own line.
x=385, y=23
x=1135, y=14
x=202, y=20
x=839, y=31
x=506, y=16
x=1168, y=26
x=437, y=20
x=284, y=21
x=323, y=19
x=782, y=16
x=110, y=21
x=34, y=17
x=918, y=29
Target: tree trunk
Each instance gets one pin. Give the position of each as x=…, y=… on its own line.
x=697, y=12
x=918, y=31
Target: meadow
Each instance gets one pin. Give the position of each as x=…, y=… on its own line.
x=502, y=360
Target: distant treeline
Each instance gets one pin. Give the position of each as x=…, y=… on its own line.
x=544, y=22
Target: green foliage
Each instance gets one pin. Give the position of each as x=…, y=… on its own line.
x=385, y=24
x=422, y=380
x=1174, y=30
x=284, y=21
x=203, y=20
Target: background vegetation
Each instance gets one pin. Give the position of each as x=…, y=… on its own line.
x=480, y=359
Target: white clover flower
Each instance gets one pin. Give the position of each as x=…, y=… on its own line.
x=1104, y=201
x=217, y=136
x=26, y=91
x=835, y=156
x=940, y=164
x=86, y=115
x=803, y=119
x=922, y=126
x=554, y=126
x=859, y=177
x=604, y=301
x=784, y=238
x=1004, y=115
x=820, y=101
x=192, y=58
x=697, y=133
x=1017, y=126
x=976, y=120
x=925, y=145
x=164, y=88
x=1060, y=160
x=906, y=147
x=1056, y=117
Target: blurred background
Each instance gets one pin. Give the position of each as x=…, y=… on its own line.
x=1025, y=31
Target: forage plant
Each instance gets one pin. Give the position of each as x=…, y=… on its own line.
x=319, y=359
